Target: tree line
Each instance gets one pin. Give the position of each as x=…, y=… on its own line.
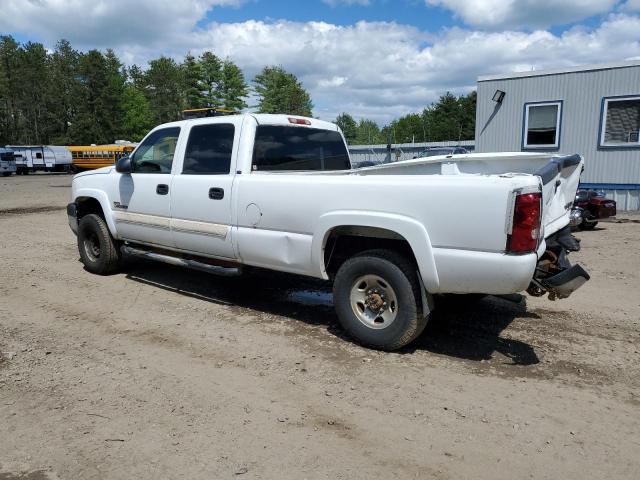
x=68, y=97
x=450, y=118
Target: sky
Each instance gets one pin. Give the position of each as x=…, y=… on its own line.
x=376, y=59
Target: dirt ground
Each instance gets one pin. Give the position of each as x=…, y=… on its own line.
x=160, y=372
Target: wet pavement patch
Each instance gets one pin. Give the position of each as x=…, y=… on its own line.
x=25, y=211
x=35, y=475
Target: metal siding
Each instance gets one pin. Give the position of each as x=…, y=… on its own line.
x=582, y=94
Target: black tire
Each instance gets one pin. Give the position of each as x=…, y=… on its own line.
x=400, y=274
x=6, y=174
x=588, y=225
x=99, y=252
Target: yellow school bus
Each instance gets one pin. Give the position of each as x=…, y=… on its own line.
x=97, y=156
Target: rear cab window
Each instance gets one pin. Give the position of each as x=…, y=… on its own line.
x=288, y=148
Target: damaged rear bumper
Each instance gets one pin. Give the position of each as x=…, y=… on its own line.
x=554, y=274
x=563, y=284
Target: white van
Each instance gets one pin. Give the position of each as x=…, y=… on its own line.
x=7, y=162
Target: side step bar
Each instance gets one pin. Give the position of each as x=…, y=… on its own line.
x=182, y=262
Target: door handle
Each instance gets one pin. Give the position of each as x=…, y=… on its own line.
x=216, y=193
x=162, y=189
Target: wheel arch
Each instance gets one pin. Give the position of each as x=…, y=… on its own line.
x=95, y=201
x=384, y=228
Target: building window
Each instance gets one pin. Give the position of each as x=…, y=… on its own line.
x=620, y=122
x=542, y=125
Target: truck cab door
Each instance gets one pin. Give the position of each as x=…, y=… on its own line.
x=201, y=199
x=142, y=202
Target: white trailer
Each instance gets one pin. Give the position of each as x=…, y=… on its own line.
x=48, y=158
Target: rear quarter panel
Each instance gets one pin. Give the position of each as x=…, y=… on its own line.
x=458, y=213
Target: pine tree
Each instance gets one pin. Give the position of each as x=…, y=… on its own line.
x=211, y=67
x=61, y=104
x=279, y=91
x=162, y=89
x=233, y=88
x=136, y=76
x=30, y=93
x=112, y=96
x=9, y=80
x=137, y=118
x=93, y=122
x=348, y=126
x=191, y=71
x=368, y=133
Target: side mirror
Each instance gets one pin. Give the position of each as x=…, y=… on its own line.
x=123, y=165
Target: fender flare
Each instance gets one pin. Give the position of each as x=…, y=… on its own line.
x=103, y=200
x=410, y=229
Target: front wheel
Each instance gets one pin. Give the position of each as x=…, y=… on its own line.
x=377, y=299
x=98, y=250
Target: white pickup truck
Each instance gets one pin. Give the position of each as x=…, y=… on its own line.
x=278, y=192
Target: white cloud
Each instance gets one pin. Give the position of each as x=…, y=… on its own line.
x=113, y=22
x=631, y=6
x=524, y=13
x=384, y=70
x=374, y=70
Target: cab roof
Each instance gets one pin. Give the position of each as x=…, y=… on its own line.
x=261, y=119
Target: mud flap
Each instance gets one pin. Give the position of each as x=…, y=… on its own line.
x=566, y=282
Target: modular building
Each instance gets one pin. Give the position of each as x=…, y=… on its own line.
x=591, y=110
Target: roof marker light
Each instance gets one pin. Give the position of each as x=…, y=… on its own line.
x=299, y=121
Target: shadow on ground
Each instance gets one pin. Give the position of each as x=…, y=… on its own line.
x=459, y=327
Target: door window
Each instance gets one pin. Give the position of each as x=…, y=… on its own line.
x=155, y=153
x=209, y=150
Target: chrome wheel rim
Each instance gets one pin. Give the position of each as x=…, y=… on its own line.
x=92, y=247
x=373, y=301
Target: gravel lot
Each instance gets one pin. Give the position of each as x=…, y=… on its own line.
x=160, y=372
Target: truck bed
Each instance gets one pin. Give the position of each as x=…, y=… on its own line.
x=559, y=174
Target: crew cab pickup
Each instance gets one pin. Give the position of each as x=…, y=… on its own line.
x=278, y=192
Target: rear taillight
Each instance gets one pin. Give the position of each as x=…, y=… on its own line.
x=526, y=224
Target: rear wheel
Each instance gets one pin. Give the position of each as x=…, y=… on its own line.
x=377, y=299
x=98, y=250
